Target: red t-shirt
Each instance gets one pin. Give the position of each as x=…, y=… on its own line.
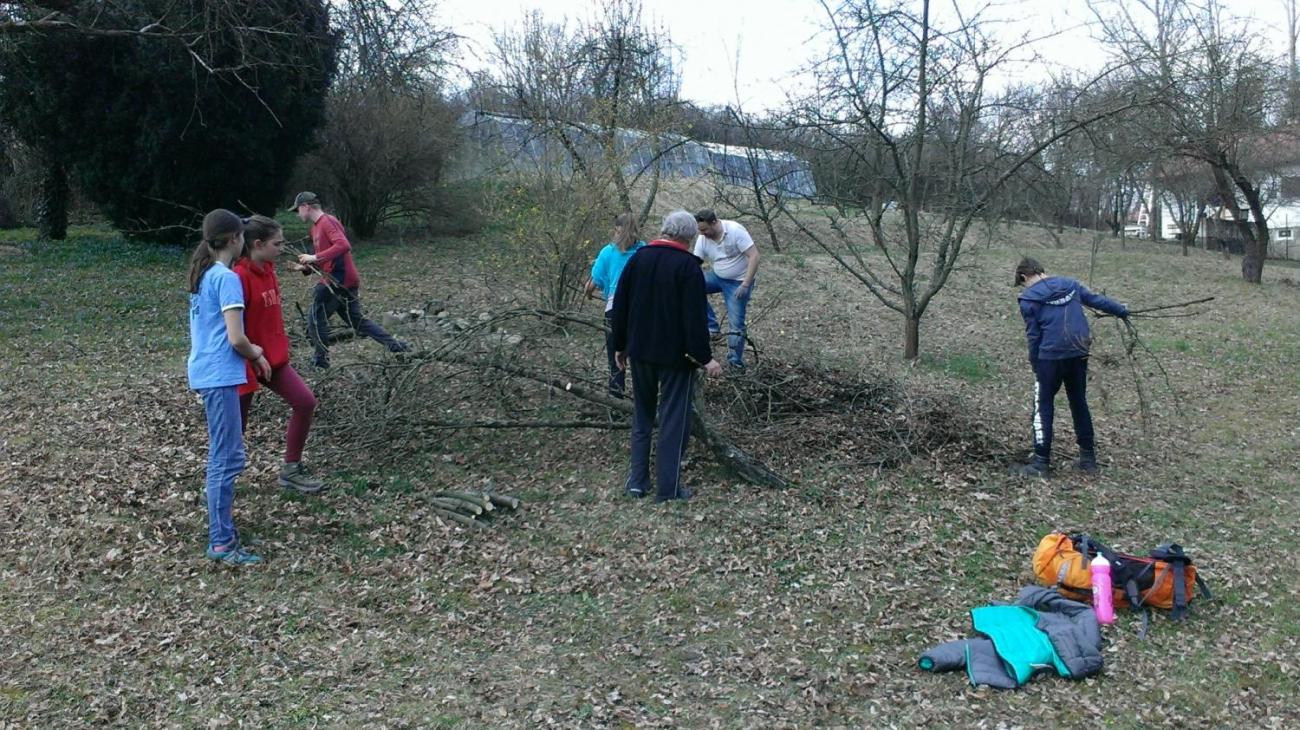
x=263, y=316
x=333, y=252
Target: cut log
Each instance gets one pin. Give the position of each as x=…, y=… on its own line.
x=456, y=505
x=458, y=517
x=502, y=500
x=477, y=500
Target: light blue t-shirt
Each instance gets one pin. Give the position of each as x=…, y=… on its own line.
x=213, y=362
x=608, y=267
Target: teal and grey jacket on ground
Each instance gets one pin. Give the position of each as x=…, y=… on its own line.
x=1043, y=630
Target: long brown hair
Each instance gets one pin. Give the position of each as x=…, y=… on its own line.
x=220, y=227
x=625, y=231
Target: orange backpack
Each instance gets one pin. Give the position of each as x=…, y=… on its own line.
x=1057, y=564
x=1165, y=578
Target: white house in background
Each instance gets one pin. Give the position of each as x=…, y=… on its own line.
x=1281, y=192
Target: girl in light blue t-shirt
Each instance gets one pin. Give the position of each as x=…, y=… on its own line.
x=604, y=277
x=218, y=348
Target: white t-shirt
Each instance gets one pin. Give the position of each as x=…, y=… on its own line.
x=727, y=255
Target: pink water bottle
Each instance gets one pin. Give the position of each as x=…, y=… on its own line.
x=1103, y=601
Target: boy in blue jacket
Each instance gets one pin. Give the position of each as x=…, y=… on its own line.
x=1056, y=328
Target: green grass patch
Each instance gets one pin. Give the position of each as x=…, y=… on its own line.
x=968, y=367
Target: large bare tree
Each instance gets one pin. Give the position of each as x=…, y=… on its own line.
x=905, y=101
x=1217, y=94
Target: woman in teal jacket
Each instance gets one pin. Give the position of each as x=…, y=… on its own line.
x=605, y=273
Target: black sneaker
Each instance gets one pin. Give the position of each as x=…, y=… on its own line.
x=682, y=495
x=1087, y=462
x=634, y=492
x=1037, y=467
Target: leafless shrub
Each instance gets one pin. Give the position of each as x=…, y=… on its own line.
x=381, y=155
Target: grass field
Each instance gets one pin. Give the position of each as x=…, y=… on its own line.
x=744, y=607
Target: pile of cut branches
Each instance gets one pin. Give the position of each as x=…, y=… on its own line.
x=470, y=508
x=870, y=420
x=476, y=376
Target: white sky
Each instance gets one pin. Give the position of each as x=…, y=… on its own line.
x=773, y=39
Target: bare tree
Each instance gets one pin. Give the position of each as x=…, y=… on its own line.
x=907, y=100
x=604, y=91
x=393, y=44
x=1185, y=188
x=762, y=194
x=389, y=133
x=1292, y=65
x=1227, y=93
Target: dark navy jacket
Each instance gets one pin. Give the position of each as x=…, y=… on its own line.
x=659, y=308
x=1055, y=323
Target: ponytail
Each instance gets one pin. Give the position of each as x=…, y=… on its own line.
x=220, y=227
x=200, y=261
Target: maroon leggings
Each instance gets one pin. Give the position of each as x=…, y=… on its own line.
x=286, y=383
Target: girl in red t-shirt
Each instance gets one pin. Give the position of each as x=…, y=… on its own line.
x=264, y=324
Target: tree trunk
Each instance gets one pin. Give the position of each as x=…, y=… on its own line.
x=1255, y=247
x=1228, y=179
x=52, y=207
x=7, y=218
x=1156, y=223
x=911, y=337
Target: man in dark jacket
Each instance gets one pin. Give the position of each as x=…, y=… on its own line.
x=659, y=324
x=1056, y=328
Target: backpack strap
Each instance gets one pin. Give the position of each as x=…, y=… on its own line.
x=1131, y=591
x=1146, y=622
x=1179, y=611
x=1173, y=556
x=1205, y=589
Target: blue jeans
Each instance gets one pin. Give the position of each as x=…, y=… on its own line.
x=736, y=306
x=225, y=461
x=1050, y=375
x=666, y=392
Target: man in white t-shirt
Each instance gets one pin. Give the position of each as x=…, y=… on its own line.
x=727, y=245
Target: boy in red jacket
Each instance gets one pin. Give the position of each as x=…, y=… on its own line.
x=339, y=284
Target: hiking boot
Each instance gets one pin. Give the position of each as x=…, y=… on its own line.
x=635, y=492
x=1037, y=467
x=293, y=475
x=232, y=554
x=399, y=346
x=1087, y=461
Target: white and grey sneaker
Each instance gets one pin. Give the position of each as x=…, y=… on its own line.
x=293, y=475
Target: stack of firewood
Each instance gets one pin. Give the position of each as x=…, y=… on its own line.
x=470, y=508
